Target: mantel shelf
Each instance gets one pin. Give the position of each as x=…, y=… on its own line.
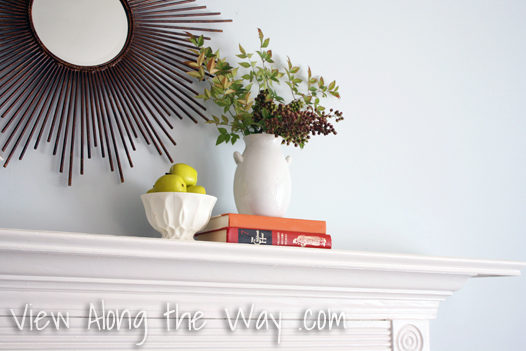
x=384, y=297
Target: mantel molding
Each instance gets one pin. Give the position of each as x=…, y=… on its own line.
x=68, y=271
x=136, y=247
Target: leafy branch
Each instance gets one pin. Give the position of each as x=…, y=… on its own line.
x=268, y=113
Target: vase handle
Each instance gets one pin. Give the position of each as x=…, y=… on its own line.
x=237, y=157
x=289, y=160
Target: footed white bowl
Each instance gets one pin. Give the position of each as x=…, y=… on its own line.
x=178, y=215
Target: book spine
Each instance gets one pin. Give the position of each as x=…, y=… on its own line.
x=278, y=238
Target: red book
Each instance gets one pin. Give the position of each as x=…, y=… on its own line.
x=236, y=220
x=266, y=237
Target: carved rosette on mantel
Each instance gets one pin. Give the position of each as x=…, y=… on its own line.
x=387, y=300
x=410, y=335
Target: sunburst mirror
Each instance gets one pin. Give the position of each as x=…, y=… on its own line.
x=96, y=73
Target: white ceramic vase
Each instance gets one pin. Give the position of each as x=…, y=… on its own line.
x=262, y=183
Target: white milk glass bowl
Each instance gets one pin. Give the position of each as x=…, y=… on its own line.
x=178, y=215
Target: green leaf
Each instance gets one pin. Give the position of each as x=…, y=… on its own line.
x=261, y=36
x=192, y=39
x=262, y=54
x=216, y=91
x=200, y=41
x=194, y=74
x=332, y=85
x=217, y=79
x=265, y=113
x=221, y=103
x=242, y=50
x=220, y=139
x=222, y=130
x=294, y=70
x=242, y=56
x=244, y=64
x=191, y=64
x=336, y=94
x=209, y=53
x=265, y=43
x=225, y=119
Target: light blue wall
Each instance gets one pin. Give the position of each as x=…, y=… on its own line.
x=431, y=158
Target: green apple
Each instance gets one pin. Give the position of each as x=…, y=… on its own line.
x=188, y=173
x=169, y=183
x=150, y=191
x=198, y=189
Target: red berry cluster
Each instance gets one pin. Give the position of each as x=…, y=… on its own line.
x=294, y=124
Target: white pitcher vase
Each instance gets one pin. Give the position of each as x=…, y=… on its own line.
x=262, y=180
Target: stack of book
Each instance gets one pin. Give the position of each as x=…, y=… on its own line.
x=263, y=230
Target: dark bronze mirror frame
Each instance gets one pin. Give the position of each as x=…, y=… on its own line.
x=107, y=105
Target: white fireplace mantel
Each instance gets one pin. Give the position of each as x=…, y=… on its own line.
x=387, y=299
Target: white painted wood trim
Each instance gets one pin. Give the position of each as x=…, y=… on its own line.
x=384, y=297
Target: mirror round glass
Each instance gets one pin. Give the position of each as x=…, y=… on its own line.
x=81, y=32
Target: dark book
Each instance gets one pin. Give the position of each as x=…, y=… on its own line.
x=266, y=237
